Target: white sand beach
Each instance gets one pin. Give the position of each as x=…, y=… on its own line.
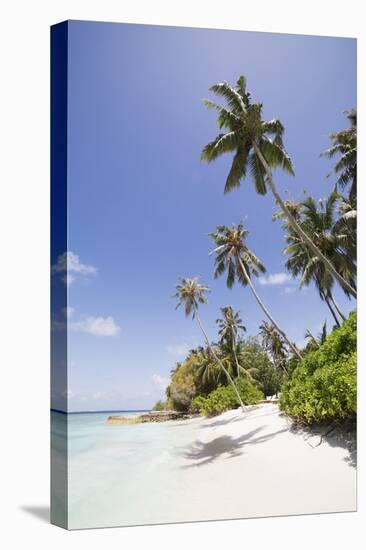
x=234, y=465
x=265, y=468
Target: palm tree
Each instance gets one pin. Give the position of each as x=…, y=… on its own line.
x=319, y=221
x=208, y=372
x=310, y=336
x=229, y=326
x=319, y=341
x=191, y=294
x=274, y=344
x=346, y=225
x=345, y=144
x=258, y=146
x=234, y=256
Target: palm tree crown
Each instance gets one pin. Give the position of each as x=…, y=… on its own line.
x=245, y=127
x=234, y=256
x=231, y=251
x=273, y=343
x=345, y=145
x=319, y=221
x=230, y=324
x=190, y=293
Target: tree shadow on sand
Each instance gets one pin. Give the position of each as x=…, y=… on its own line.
x=334, y=437
x=347, y=441
x=201, y=453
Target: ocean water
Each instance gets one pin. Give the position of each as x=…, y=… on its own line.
x=125, y=475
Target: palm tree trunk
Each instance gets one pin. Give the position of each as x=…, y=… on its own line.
x=220, y=363
x=326, y=299
x=336, y=306
x=235, y=357
x=267, y=313
x=280, y=366
x=296, y=227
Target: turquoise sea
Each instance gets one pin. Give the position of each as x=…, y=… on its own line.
x=123, y=475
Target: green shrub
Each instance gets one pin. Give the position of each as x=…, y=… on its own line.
x=269, y=379
x=159, y=406
x=323, y=386
x=182, y=387
x=224, y=398
x=197, y=404
x=249, y=393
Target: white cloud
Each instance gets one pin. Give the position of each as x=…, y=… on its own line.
x=98, y=326
x=275, y=279
x=70, y=264
x=160, y=381
x=178, y=350
x=68, y=261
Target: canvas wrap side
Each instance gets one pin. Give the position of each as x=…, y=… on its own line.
x=59, y=216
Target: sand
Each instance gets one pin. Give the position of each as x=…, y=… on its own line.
x=236, y=465
x=264, y=467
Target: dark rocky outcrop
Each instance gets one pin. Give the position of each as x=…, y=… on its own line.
x=153, y=416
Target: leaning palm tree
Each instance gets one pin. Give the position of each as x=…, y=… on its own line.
x=234, y=256
x=329, y=234
x=310, y=336
x=319, y=341
x=258, y=146
x=230, y=325
x=190, y=293
x=274, y=344
x=346, y=225
x=345, y=145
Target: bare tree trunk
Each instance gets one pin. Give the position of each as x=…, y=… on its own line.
x=220, y=363
x=296, y=227
x=336, y=306
x=267, y=313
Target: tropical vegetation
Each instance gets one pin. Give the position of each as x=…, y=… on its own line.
x=323, y=387
x=315, y=382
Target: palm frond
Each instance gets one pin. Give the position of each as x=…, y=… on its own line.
x=223, y=143
x=238, y=169
x=232, y=97
x=276, y=155
x=258, y=174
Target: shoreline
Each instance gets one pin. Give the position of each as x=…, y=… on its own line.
x=169, y=415
x=231, y=466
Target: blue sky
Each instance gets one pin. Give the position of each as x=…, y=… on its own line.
x=141, y=203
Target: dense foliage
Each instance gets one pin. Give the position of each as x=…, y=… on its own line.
x=223, y=398
x=323, y=386
x=198, y=377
